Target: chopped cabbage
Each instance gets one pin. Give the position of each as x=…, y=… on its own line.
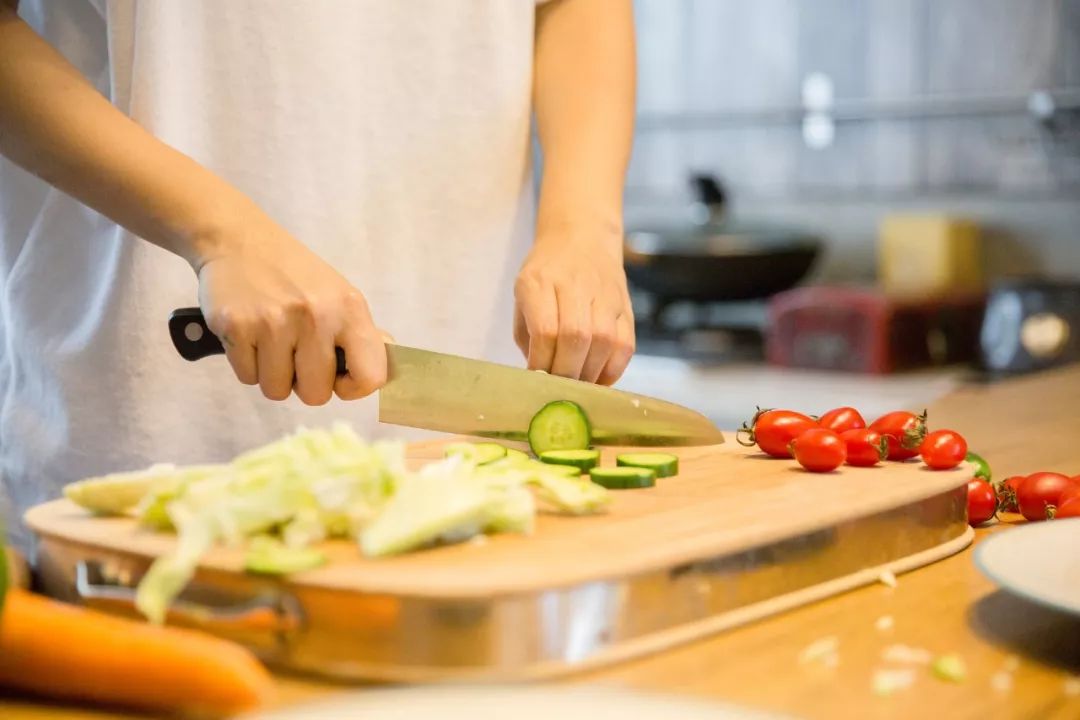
x=281, y=499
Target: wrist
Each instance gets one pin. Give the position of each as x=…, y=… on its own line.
x=222, y=227
x=604, y=230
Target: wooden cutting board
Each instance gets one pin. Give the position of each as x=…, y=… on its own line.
x=734, y=536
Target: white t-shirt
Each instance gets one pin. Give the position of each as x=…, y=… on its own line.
x=391, y=137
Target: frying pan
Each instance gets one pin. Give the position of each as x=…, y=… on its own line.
x=717, y=260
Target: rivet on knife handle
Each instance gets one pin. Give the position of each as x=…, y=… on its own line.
x=194, y=341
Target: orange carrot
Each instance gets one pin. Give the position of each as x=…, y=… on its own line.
x=62, y=651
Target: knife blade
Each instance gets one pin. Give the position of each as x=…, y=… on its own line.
x=448, y=393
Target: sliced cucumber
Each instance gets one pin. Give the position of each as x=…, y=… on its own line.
x=516, y=455
x=559, y=425
x=663, y=464
x=567, y=470
x=623, y=478
x=479, y=453
x=581, y=459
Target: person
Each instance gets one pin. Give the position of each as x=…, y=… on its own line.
x=316, y=173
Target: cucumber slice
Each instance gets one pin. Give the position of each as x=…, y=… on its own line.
x=479, y=453
x=663, y=464
x=559, y=425
x=516, y=455
x=623, y=478
x=581, y=459
x=567, y=470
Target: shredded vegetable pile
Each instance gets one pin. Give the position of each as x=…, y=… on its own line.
x=280, y=500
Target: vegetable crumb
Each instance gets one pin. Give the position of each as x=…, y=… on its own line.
x=906, y=654
x=888, y=681
x=884, y=623
x=819, y=649
x=1072, y=686
x=1002, y=681
x=1012, y=663
x=888, y=578
x=950, y=668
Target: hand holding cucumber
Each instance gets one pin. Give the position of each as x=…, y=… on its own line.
x=572, y=311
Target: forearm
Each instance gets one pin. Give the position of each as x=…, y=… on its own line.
x=583, y=94
x=56, y=125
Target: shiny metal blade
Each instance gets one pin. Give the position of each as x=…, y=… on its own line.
x=452, y=394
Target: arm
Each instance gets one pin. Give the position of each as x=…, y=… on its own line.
x=574, y=315
x=54, y=124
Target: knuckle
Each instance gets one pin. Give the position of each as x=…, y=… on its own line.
x=605, y=338
x=274, y=319
x=575, y=334
x=223, y=321
x=547, y=333
x=354, y=302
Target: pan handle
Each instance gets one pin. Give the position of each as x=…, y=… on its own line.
x=268, y=613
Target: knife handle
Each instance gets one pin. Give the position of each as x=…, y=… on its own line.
x=193, y=340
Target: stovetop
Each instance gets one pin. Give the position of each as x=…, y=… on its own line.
x=700, y=332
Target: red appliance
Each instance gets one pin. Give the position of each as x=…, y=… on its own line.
x=863, y=330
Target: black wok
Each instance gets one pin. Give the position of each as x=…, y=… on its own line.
x=717, y=260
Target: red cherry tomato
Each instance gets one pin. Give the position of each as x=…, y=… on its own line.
x=1073, y=491
x=943, y=449
x=773, y=431
x=1069, y=508
x=865, y=447
x=981, y=502
x=1007, y=493
x=905, y=432
x=842, y=419
x=1040, y=493
x=819, y=450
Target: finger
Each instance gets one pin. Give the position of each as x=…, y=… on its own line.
x=575, y=333
x=241, y=355
x=316, y=365
x=540, y=312
x=521, y=331
x=239, y=348
x=604, y=335
x=621, y=353
x=274, y=353
x=365, y=356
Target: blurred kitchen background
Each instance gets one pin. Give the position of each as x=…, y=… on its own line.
x=835, y=199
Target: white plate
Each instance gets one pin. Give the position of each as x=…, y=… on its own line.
x=1039, y=561
x=534, y=702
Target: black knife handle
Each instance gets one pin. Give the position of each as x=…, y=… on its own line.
x=194, y=341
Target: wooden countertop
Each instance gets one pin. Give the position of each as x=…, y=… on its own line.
x=1020, y=426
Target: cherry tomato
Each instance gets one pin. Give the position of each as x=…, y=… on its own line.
x=1073, y=491
x=819, y=450
x=905, y=432
x=865, y=447
x=1007, y=493
x=842, y=419
x=981, y=502
x=943, y=449
x=773, y=431
x=1040, y=493
x=1069, y=508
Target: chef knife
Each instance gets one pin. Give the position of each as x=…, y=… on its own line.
x=447, y=393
